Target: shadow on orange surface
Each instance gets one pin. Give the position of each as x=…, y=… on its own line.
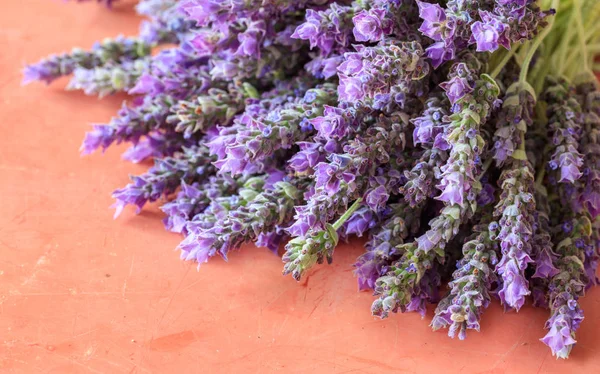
x=81, y=293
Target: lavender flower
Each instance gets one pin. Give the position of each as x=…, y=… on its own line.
x=315, y=246
x=381, y=74
x=109, y=78
x=507, y=24
x=564, y=122
x=371, y=25
x=280, y=129
x=460, y=189
x=542, y=247
x=567, y=286
x=266, y=204
x=514, y=118
x=516, y=211
x=328, y=29
x=192, y=165
x=345, y=177
x=382, y=247
x=194, y=198
x=471, y=285
x=216, y=107
x=110, y=50
x=429, y=131
x=130, y=124
x=486, y=24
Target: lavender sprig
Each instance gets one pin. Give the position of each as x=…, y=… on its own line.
x=516, y=114
x=109, y=78
x=568, y=285
x=110, y=50
x=383, y=245
x=167, y=174
x=266, y=203
x=472, y=106
x=471, y=286
x=279, y=129
x=315, y=246
x=130, y=124
x=194, y=198
x=564, y=122
x=328, y=30
x=383, y=74
x=429, y=132
x=345, y=176
x=216, y=107
x=515, y=211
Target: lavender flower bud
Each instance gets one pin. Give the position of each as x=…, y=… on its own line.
x=372, y=73
x=516, y=212
x=267, y=203
x=328, y=30
x=471, y=285
x=110, y=50
x=382, y=247
x=566, y=288
x=459, y=179
x=564, y=122
x=192, y=165
x=109, y=78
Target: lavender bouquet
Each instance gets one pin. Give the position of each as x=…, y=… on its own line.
x=461, y=137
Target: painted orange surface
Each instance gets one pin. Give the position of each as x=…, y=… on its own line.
x=81, y=293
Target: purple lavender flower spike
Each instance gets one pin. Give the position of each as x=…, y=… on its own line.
x=400, y=224
x=564, y=118
x=216, y=107
x=486, y=24
x=429, y=132
x=514, y=118
x=267, y=203
x=516, y=213
x=109, y=78
x=344, y=177
x=360, y=222
x=328, y=29
x=193, y=164
x=279, y=129
x=271, y=240
x=194, y=198
x=373, y=73
x=471, y=286
x=396, y=287
x=199, y=247
x=110, y=50
x=371, y=25
x=567, y=286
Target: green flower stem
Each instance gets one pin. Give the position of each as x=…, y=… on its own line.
x=536, y=43
x=337, y=224
x=507, y=56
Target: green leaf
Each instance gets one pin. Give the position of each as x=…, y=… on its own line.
x=250, y=90
x=519, y=154
x=491, y=80
x=452, y=211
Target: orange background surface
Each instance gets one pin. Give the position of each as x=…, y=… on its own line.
x=81, y=293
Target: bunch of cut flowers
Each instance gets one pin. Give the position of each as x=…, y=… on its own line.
x=461, y=137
